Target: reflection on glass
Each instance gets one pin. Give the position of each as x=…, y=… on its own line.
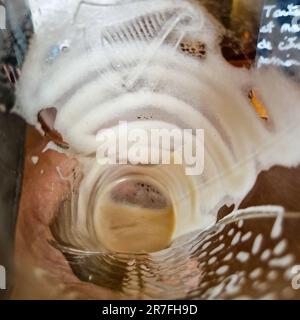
x=150, y=231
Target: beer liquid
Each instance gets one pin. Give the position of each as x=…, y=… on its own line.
x=132, y=229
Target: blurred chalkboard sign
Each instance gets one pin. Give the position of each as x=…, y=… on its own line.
x=279, y=38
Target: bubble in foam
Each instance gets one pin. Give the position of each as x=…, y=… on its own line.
x=228, y=257
x=217, y=249
x=202, y=254
x=282, y=262
x=236, y=239
x=231, y=232
x=243, y=256
x=280, y=247
x=257, y=244
x=222, y=270
x=212, y=260
x=246, y=236
x=206, y=245
x=256, y=273
x=277, y=227
x=266, y=255
x=233, y=285
x=240, y=224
